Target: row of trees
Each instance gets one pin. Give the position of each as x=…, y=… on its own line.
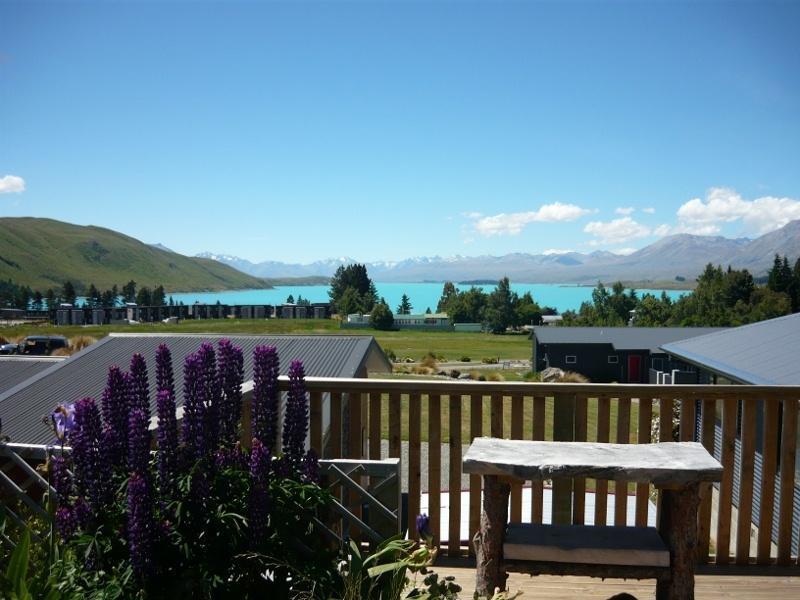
x=722, y=298
x=23, y=297
x=497, y=310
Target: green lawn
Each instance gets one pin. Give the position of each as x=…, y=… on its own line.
x=527, y=419
x=414, y=344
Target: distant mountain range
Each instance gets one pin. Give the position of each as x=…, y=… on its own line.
x=681, y=255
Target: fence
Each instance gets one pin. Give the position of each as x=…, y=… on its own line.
x=741, y=425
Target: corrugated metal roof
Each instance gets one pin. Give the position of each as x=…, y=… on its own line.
x=621, y=338
x=764, y=353
x=16, y=369
x=84, y=374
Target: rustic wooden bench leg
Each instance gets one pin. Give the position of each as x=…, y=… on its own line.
x=678, y=528
x=488, y=541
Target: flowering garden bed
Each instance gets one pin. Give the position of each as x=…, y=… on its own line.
x=201, y=516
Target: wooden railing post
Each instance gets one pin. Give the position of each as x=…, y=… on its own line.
x=563, y=431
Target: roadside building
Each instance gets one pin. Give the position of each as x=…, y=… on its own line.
x=606, y=354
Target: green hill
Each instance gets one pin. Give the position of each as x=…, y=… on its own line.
x=44, y=253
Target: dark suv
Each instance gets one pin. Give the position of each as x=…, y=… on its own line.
x=38, y=345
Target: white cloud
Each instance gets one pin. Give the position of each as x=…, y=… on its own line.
x=616, y=232
x=11, y=183
x=624, y=210
x=550, y=251
x=723, y=205
x=624, y=251
x=662, y=230
x=471, y=215
x=513, y=223
x=649, y=210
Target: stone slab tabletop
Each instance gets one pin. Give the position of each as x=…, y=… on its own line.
x=663, y=464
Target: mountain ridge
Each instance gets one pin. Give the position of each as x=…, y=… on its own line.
x=679, y=255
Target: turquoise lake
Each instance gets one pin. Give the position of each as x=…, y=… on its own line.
x=422, y=295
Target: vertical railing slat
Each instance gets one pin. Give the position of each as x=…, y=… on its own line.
x=601, y=485
x=688, y=418
x=644, y=436
x=496, y=418
x=315, y=418
x=454, y=469
x=355, y=443
x=475, y=430
x=730, y=410
x=375, y=401
x=336, y=425
x=665, y=410
x=395, y=419
x=746, y=469
x=708, y=418
x=537, y=489
x=788, y=458
x=579, y=483
x=517, y=406
x=623, y=437
x=769, y=455
x=435, y=464
x=414, y=463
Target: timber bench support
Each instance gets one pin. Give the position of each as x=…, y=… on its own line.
x=667, y=554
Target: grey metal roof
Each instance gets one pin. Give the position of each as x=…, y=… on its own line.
x=84, y=374
x=16, y=369
x=621, y=338
x=764, y=353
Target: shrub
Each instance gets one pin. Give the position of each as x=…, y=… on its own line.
x=573, y=377
x=489, y=360
x=390, y=355
x=204, y=517
x=494, y=376
x=79, y=342
x=465, y=359
x=429, y=361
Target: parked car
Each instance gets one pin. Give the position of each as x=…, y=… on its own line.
x=38, y=345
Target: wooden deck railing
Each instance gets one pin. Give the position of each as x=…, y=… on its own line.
x=752, y=430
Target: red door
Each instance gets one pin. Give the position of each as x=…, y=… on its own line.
x=634, y=368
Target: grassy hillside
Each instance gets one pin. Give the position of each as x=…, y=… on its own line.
x=44, y=253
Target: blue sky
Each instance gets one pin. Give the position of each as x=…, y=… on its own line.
x=386, y=130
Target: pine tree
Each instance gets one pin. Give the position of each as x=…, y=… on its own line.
x=404, y=308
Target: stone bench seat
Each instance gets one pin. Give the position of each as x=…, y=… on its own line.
x=586, y=545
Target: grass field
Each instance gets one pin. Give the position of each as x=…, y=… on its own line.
x=414, y=344
x=527, y=425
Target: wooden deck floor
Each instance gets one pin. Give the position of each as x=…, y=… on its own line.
x=707, y=587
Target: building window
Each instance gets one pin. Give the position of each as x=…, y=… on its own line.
x=613, y=359
x=570, y=359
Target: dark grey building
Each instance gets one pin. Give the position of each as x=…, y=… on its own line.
x=606, y=354
x=23, y=405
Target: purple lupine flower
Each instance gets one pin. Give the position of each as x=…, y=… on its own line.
x=259, y=491
x=82, y=512
x=295, y=424
x=66, y=522
x=141, y=526
x=231, y=458
x=62, y=420
x=423, y=526
x=92, y=469
x=140, y=388
x=231, y=376
x=264, y=412
x=167, y=442
x=192, y=425
x=61, y=480
x=164, y=376
x=211, y=394
x=138, y=442
x=309, y=467
x=116, y=406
